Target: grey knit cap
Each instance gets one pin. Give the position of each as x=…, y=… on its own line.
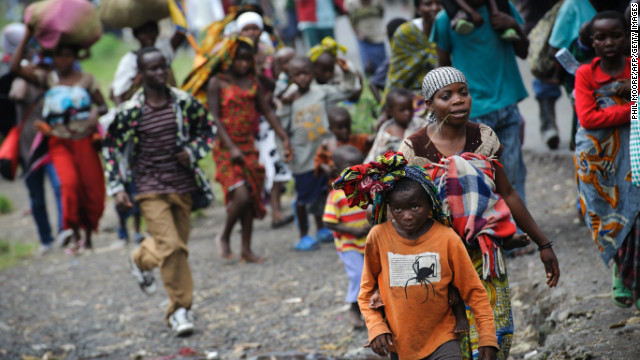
x=440, y=77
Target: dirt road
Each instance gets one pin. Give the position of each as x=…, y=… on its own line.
x=292, y=306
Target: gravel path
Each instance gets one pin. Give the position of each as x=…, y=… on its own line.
x=292, y=306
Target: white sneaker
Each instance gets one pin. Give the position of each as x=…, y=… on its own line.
x=144, y=278
x=45, y=249
x=181, y=322
x=63, y=237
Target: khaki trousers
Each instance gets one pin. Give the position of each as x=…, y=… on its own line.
x=168, y=220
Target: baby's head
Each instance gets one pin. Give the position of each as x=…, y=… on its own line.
x=282, y=58
x=393, y=25
x=301, y=73
x=399, y=106
x=340, y=123
x=447, y=95
x=345, y=156
x=410, y=206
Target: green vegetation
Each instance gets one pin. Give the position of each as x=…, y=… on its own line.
x=6, y=206
x=11, y=253
x=107, y=52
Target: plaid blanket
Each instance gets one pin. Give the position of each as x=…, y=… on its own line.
x=480, y=216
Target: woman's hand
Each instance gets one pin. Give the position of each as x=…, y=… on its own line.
x=548, y=258
x=343, y=64
x=624, y=89
x=380, y=345
x=288, y=150
x=487, y=353
x=236, y=155
x=502, y=21
x=123, y=202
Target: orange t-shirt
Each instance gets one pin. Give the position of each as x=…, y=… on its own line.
x=421, y=320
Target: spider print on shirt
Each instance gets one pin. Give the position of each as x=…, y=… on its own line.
x=415, y=269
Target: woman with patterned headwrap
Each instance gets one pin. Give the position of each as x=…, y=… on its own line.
x=475, y=215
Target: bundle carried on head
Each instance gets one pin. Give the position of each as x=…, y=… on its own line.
x=132, y=13
x=55, y=22
x=371, y=183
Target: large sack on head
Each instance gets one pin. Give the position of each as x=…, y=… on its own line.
x=56, y=22
x=129, y=13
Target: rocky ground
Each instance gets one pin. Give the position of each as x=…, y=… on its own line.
x=292, y=306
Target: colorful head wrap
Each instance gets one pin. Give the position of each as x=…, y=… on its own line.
x=329, y=45
x=247, y=18
x=377, y=178
x=440, y=77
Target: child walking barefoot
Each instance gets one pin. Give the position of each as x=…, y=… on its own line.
x=413, y=259
x=233, y=97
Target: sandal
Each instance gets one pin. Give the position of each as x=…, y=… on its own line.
x=619, y=291
x=307, y=243
x=285, y=221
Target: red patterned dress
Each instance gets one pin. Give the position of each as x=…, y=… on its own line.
x=238, y=116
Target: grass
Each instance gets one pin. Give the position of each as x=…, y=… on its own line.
x=12, y=252
x=107, y=52
x=6, y=206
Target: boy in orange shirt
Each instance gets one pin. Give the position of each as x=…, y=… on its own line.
x=412, y=260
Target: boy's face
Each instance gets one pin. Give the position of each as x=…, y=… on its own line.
x=401, y=109
x=608, y=37
x=340, y=126
x=428, y=9
x=324, y=67
x=301, y=75
x=452, y=102
x=154, y=69
x=411, y=209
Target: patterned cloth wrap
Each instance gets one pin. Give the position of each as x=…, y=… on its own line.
x=377, y=178
x=608, y=199
x=218, y=60
x=329, y=45
x=66, y=110
x=480, y=215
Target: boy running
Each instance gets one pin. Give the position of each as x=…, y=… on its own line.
x=170, y=131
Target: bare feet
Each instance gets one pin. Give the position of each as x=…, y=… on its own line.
x=224, y=250
x=516, y=241
x=251, y=258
